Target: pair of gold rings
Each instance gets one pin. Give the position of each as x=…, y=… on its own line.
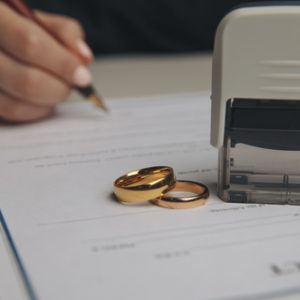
x=158, y=185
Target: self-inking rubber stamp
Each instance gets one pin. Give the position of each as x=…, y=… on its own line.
x=255, y=120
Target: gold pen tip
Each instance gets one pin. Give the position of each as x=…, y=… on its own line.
x=97, y=101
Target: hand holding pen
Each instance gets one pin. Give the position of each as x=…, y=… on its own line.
x=39, y=67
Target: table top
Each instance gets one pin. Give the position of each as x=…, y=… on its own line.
x=132, y=76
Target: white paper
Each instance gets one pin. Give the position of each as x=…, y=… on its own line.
x=77, y=242
x=11, y=283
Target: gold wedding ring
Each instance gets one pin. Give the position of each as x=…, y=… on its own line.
x=199, y=195
x=144, y=184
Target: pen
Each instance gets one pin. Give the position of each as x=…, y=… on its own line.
x=23, y=9
x=17, y=259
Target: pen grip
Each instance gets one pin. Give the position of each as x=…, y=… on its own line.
x=23, y=9
x=20, y=7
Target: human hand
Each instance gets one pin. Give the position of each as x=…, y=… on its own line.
x=37, y=71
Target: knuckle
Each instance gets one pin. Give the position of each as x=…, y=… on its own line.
x=18, y=113
x=68, y=66
x=30, y=43
x=45, y=91
x=72, y=27
x=38, y=88
x=62, y=95
x=2, y=6
x=28, y=83
x=12, y=112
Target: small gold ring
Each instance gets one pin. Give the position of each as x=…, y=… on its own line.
x=199, y=198
x=144, y=184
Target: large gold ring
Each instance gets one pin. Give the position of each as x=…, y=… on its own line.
x=200, y=194
x=144, y=185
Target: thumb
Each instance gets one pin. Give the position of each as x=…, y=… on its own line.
x=69, y=32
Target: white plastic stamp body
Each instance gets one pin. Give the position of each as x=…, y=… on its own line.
x=255, y=120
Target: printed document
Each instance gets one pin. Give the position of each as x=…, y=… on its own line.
x=77, y=242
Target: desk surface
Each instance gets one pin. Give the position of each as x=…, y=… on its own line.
x=152, y=75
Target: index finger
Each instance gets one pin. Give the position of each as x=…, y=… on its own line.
x=27, y=42
x=69, y=32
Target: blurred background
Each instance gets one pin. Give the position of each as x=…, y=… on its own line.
x=145, y=26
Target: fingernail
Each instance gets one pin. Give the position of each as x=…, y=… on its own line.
x=82, y=76
x=84, y=49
